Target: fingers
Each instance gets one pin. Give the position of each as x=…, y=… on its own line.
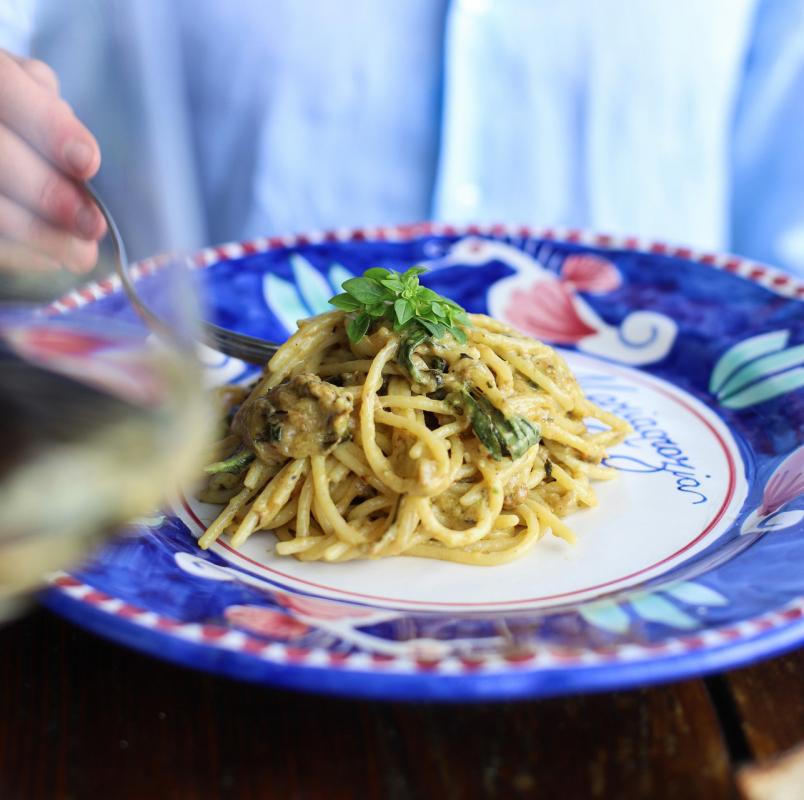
x=47, y=219
x=24, y=228
x=27, y=178
x=36, y=115
x=40, y=72
x=16, y=257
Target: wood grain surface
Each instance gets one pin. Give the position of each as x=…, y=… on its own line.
x=770, y=701
x=82, y=718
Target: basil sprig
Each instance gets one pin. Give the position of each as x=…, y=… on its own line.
x=398, y=298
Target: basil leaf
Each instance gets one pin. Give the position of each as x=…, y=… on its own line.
x=377, y=310
x=403, y=311
x=459, y=335
x=499, y=434
x=393, y=284
x=377, y=273
x=365, y=290
x=429, y=296
x=435, y=329
x=518, y=435
x=356, y=328
x=483, y=426
x=407, y=347
x=345, y=302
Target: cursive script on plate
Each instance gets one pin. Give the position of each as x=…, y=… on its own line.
x=657, y=450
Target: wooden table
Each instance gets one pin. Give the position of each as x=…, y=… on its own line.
x=82, y=718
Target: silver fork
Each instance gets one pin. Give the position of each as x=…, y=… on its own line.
x=231, y=343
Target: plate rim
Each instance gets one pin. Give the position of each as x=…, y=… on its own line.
x=360, y=675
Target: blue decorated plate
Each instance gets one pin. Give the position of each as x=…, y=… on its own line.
x=691, y=562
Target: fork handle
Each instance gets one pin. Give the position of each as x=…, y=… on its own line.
x=230, y=343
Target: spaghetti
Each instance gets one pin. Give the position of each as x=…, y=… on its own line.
x=466, y=451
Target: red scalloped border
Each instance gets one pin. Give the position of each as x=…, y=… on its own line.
x=769, y=277
x=540, y=657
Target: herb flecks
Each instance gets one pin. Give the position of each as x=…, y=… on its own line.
x=399, y=298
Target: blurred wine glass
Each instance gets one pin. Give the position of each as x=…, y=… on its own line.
x=100, y=419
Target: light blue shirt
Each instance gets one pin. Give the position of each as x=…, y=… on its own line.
x=221, y=121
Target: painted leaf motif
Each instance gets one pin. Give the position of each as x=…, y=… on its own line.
x=695, y=594
x=655, y=608
x=312, y=285
x=785, y=519
x=786, y=483
x=337, y=275
x=762, y=367
x=606, y=615
x=742, y=353
x=766, y=390
x=283, y=299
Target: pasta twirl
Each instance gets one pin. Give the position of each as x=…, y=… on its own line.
x=463, y=451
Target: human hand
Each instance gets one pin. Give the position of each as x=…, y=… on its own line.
x=47, y=220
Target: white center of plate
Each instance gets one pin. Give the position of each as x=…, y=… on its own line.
x=681, y=486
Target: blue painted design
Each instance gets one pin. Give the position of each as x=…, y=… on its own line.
x=313, y=287
x=338, y=275
x=283, y=298
x=695, y=594
x=655, y=608
x=743, y=353
x=305, y=295
x=735, y=579
x=758, y=369
x=606, y=615
x=667, y=605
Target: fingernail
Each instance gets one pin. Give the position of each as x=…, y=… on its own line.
x=86, y=221
x=78, y=155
